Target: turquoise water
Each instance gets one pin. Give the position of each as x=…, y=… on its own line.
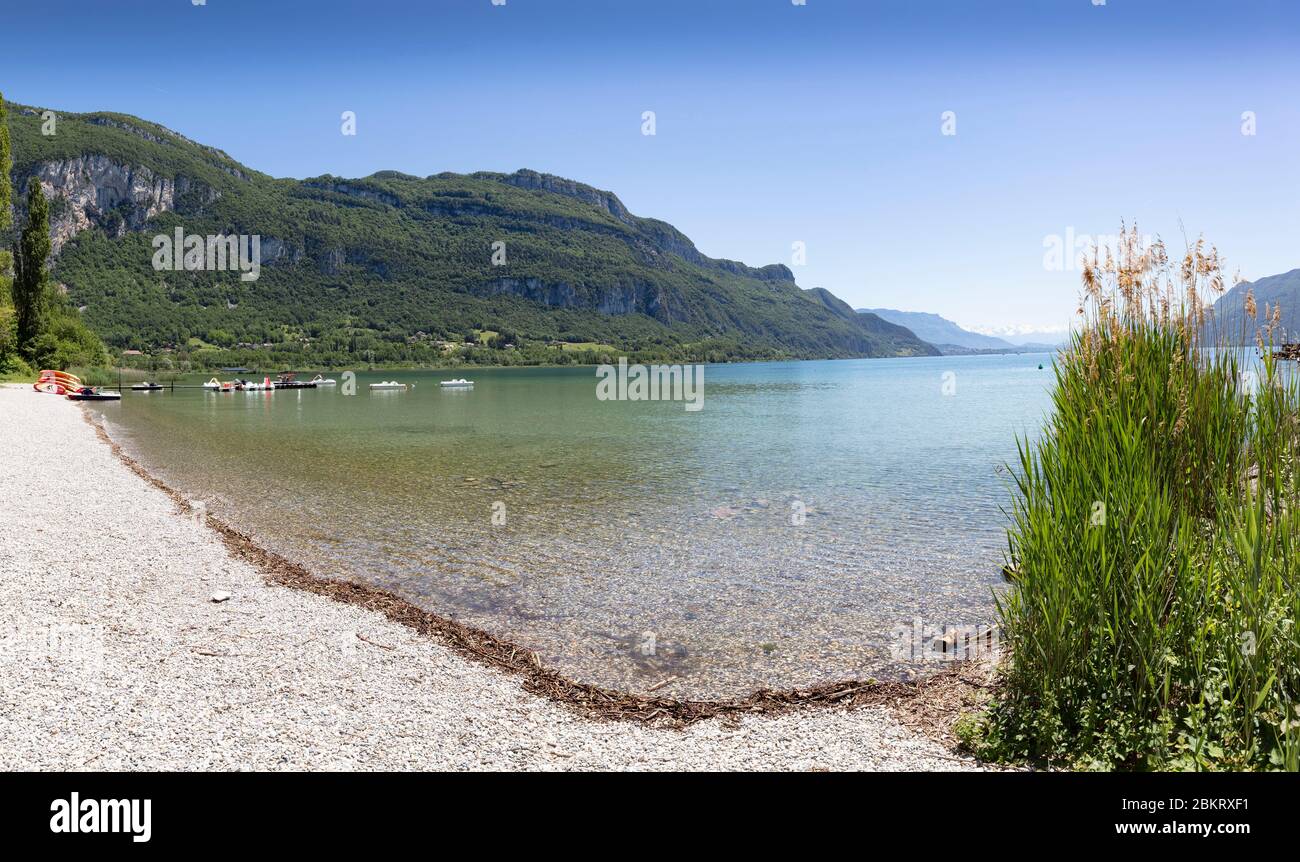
x=776, y=537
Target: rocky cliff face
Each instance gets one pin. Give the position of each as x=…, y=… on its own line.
x=612, y=299
x=95, y=191
x=662, y=237
x=353, y=190
x=532, y=180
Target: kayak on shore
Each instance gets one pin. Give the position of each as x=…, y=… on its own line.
x=56, y=382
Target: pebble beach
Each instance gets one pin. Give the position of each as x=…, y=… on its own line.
x=131, y=639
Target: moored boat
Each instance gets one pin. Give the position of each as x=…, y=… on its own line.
x=324, y=381
x=146, y=387
x=251, y=386
x=87, y=393
x=458, y=383
x=287, y=381
x=388, y=384
x=215, y=385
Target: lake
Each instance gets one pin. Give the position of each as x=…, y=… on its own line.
x=777, y=537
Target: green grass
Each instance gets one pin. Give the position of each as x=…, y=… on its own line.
x=13, y=376
x=571, y=346
x=1157, y=632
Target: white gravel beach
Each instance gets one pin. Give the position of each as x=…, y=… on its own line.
x=114, y=656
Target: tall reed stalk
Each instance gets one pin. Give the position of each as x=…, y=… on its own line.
x=1153, y=541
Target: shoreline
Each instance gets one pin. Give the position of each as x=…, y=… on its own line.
x=876, y=706
x=144, y=373
x=504, y=655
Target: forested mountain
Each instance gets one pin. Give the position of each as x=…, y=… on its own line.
x=395, y=267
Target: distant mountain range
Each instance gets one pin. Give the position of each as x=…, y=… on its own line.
x=1230, y=317
x=952, y=340
x=1028, y=336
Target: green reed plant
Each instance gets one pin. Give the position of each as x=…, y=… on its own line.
x=1152, y=541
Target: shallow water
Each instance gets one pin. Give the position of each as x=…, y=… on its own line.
x=778, y=537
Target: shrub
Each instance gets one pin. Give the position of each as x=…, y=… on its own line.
x=1153, y=538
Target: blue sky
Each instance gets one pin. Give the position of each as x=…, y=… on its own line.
x=775, y=123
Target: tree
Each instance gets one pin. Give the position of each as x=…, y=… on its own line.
x=6, y=222
x=29, y=267
x=6, y=187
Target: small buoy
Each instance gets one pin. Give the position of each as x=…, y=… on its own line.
x=1040, y=366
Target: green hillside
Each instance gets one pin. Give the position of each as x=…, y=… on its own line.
x=388, y=266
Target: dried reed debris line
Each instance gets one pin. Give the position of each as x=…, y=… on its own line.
x=591, y=700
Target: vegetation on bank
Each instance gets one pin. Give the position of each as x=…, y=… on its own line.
x=199, y=357
x=1155, y=540
x=38, y=328
x=10, y=363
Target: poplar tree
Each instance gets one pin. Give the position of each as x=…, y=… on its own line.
x=6, y=225
x=6, y=186
x=29, y=267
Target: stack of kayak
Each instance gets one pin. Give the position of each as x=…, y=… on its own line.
x=63, y=383
x=57, y=383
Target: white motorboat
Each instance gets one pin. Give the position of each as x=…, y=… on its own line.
x=324, y=381
x=248, y=386
x=388, y=384
x=458, y=383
